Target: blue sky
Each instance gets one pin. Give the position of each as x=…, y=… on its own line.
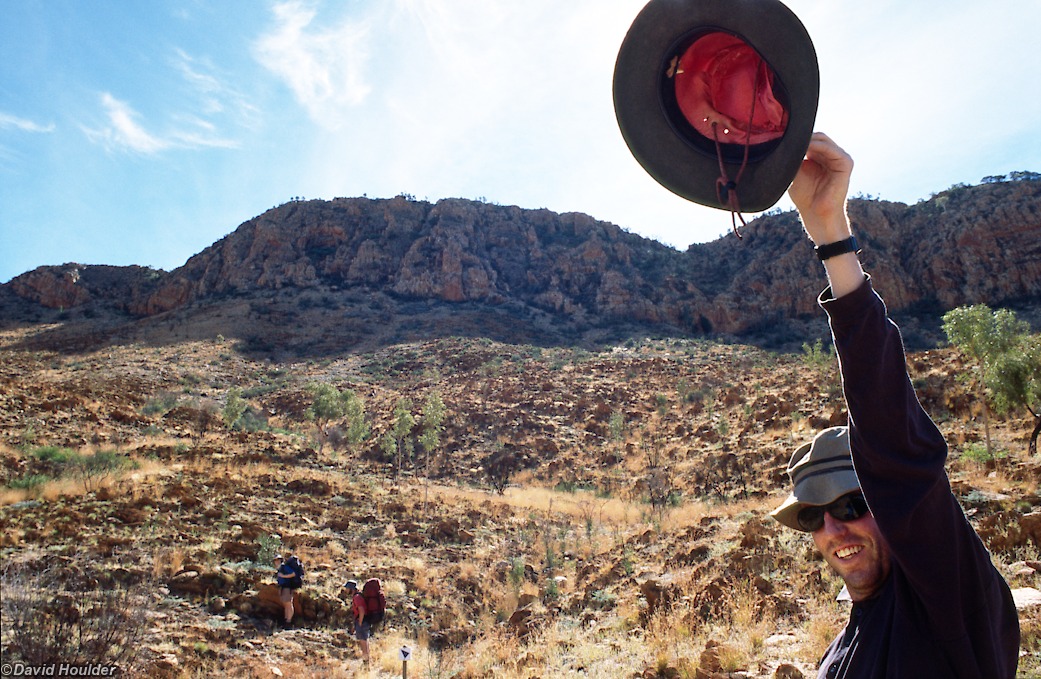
x=142, y=131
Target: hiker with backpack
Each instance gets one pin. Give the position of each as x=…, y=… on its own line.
x=289, y=574
x=368, y=607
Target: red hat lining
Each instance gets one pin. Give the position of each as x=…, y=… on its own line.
x=722, y=80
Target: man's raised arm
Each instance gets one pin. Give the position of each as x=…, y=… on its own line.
x=819, y=193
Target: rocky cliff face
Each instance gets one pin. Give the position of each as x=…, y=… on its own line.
x=968, y=245
x=454, y=251
x=72, y=285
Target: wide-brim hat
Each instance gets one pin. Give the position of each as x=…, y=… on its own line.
x=747, y=65
x=821, y=472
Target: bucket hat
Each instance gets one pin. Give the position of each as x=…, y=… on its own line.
x=821, y=471
x=716, y=99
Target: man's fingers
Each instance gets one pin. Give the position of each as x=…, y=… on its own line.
x=828, y=154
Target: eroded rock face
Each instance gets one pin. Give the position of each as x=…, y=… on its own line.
x=454, y=251
x=973, y=245
x=71, y=285
x=53, y=287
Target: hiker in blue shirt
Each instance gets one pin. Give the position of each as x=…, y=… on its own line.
x=288, y=579
x=927, y=600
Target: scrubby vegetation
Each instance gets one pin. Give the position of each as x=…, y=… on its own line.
x=532, y=511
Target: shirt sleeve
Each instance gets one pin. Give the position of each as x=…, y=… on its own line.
x=899, y=456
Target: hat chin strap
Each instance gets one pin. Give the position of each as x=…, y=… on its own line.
x=726, y=189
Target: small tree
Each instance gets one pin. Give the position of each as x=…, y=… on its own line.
x=432, y=423
x=616, y=426
x=330, y=405
x=357, y=429
x=234, y=407
x=500, y=467
x=397, y=441
x=1015, y=380
x=818, y=357
x=204, y=414
x=995, y=341
x=93, y=470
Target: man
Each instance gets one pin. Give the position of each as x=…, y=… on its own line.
x=288, y=580
x=927, y=601
x=362, y=629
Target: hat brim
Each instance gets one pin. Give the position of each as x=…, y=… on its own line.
x=787, y=514
x=687, y=170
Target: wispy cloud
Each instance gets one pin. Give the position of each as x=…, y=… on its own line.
x=323, y=66
x=216, y=97
x=196, y=132
x=206, y=84
x=123, y=131
x=10, y=122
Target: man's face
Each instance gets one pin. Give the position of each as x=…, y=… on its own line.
x=857, y=551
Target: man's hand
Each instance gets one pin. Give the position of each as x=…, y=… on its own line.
x=819, y=190
x=819, y=193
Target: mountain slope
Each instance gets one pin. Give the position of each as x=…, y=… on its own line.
x=551, y=277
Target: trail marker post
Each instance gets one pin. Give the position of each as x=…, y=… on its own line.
x=405, y=654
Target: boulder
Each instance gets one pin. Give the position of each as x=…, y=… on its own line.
x=268, y=603
x=1026, y=597
x=786, y=671
x=194, y=583
x=240, y=551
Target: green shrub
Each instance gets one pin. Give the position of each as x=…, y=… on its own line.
x=55, y=454
x=817, y=356
x=91, y=470
x=234, y=407
x=270, y=545
x=603, y=599
x=161, y=404
x=253, y=420
x=517, y=574
x=980, y=455
x=30, y=482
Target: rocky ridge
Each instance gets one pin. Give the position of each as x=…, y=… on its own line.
x=557, y=277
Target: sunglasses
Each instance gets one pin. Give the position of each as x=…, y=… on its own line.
x=847, y=508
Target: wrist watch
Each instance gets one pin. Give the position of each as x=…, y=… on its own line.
x=841, y=247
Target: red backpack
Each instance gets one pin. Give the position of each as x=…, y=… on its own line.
x=375, y=602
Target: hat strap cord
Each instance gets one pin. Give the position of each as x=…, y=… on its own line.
x=726, y=189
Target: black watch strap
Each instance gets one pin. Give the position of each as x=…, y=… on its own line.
x=841, y=247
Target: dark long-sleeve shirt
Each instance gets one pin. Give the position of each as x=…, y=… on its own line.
x=945, y=611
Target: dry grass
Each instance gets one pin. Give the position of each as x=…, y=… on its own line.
x=823, y=621
x=167, y=562
x=443, y=588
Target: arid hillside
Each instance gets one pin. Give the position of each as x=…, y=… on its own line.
x=555, y=442
x=579, y=512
